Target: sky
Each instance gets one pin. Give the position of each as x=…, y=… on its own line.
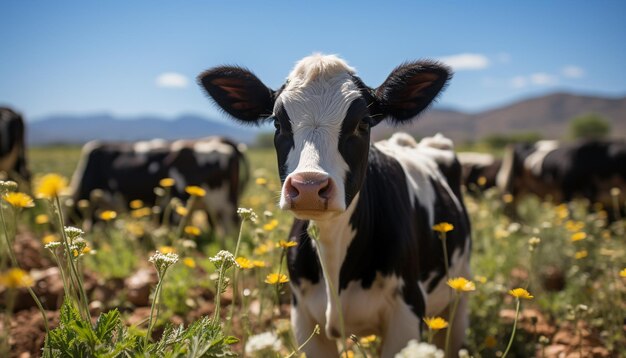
x=141, y=57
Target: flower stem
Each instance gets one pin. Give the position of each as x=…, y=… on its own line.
x=155, y=302
x=218, y=294
x=457, y=298
x=442, y=237
x=316, y=330
x=508, y=347
x=235, y=279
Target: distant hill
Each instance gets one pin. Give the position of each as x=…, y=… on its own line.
x=547, y=115
x=76, y=129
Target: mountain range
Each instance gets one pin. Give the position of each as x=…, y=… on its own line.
x=547, y=115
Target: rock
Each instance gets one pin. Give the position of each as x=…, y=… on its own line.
x=139, y=286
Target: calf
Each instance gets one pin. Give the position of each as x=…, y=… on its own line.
x=12, y=146
x=479, y=171
x=374, y=204
x=587, y=169
x=129, y=171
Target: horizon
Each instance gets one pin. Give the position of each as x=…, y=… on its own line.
x=141, y=58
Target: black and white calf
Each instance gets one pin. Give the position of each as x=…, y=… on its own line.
x=12, y=147
x=374, y=204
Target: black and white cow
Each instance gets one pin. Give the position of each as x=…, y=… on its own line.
x=12, y=146
x=479, y=170
x=562, y=172
x=130, y=171
x=374, y=204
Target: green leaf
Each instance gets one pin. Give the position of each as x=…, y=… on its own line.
x=106, y=324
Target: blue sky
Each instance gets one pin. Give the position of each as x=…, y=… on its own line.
x=141, y=57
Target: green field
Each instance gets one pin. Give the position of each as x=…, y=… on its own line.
x=574, y=271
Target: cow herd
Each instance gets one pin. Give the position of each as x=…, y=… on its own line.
x=373, y=204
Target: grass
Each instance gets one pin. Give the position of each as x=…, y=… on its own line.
x=579, y=296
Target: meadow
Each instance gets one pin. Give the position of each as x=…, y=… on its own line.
x=193, y=300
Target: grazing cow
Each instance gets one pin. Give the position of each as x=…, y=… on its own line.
x=479, y=170
x=587, y=169
x=130, y=171
x=12, y=146
x=374, y=204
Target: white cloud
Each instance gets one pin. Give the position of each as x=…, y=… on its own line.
x=519, y=82
x=543, y=79
x=466, y=61
x=172, y=80
x=572, y=71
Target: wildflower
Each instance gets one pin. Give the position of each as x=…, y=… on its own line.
x=189, y=262
x=266, y=342
x=73, y=232
x=7, y=186
x=270, y=226
x=52, y=245
x=136, y=204
x=167, y=250
x=507, y=198
x=42, y=219
x=520, y=293
x=192, y=230
x=581, y=254
x=182, y=211
x=574, y=226
x=578, y=236
x=435, y=323
x=262, y=249
x=196, y=191
x=276, y=278
x=19, y=200
x=188, y=244
x=223, y=258
x=562, y=211
x=615, y=191
x=16, y=278
x=533, y=242
x=163, y=261
x=623, y=273
x=49, y=238
x=259, y=263
x=481, y=279
x=247, y=214
x=108, y=215
x=482, y=181
x=443, y=227
x=419, y=349
x=167, y=182
x=50, y=186
x=244, y=263
x=286, y=244
x=140, y=213
x=367, y=340
x=135, y=229
x=261, y=181
x=461, y=284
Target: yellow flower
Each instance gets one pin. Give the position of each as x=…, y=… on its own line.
x=521, y=293
x=16, y=278
x=86, y=250
x=481, y=279
x=259, y=263
x=167, y=182
x=192, y=230
x=482, y=181
x=50, y=186
x=347, y=354
x=367, y=340
x=562, y=211
x=244, y=263
x=261, y=181
x=461, y=284
x=578, y=236
x=182, y=211
x=19, y=200
x=135, y=229
x=108, y=215
x=443, y=227
x=167, y=250
x=623, y=273
x=189, y=262
x=435, y=323
x=195, y=191
x=286, y=244
x=140, y=213
x=574, y=226
x=42, y=219
x=49, y=238
x=507, y=198
x=136, y=204
x=581, y=254
x=262, y=249
x=270, y=225
x=275, y=278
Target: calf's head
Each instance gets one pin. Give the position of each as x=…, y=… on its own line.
x=323, y=115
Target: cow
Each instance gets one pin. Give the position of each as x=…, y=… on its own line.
x=373, y=204
x=13, y=147
x=479, y=171
x=123, y=172
x=563, y=172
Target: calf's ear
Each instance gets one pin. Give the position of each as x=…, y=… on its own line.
x=238, y=92
x=410, y=89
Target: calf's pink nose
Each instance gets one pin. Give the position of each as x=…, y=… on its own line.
x=308, y=191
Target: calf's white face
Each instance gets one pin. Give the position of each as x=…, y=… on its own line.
x=323, y=116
